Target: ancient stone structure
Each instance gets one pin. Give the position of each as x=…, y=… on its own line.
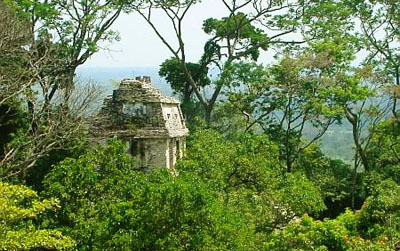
x=151, y=125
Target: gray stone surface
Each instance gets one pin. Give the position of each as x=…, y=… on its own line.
x=151, y=125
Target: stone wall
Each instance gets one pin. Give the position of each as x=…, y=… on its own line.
x=149, y=153
x=151, y=124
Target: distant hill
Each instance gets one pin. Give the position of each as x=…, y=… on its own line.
x=107, y=76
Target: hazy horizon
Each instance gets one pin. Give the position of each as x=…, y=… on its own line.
x=107, y=76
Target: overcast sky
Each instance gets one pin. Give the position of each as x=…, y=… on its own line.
x=139, y=46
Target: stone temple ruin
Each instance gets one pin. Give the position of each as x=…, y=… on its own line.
x=151, y=125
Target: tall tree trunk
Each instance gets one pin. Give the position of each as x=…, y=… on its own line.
x=395, y=92
x=289, y=163
x=354, y=121
x=207, y=114
x=187, y=93
x=353, y=188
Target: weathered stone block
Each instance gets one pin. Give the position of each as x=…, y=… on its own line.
x=152, y=125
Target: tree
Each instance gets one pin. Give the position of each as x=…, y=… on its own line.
x=380, y=32
x=383, y=151
x=379, y=216
x=15, y=34
x=334, y=178
x=245, y=173
x=302, y=91
x=246, y=81
x=66, y=121
x=62, y=35
x=240, y=35
x=107, y=204
x=72, y=30
x=364, y=116
x=341, y=233
x=19, y=207
x=170, y=69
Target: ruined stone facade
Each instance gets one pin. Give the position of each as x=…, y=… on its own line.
x=151, y=125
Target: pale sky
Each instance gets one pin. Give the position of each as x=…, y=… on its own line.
x=139, y=45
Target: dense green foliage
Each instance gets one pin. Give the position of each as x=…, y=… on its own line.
x=254, y=175
x=171, y=71
x=107, y=204
x=19, y=207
